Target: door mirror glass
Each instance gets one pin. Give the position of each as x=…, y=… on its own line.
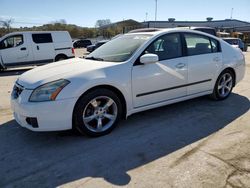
x=149, y=58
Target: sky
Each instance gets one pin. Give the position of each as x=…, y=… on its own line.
x=86, y=12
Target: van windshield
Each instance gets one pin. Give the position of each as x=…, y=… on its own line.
x=119, y=49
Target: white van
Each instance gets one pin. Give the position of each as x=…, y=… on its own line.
x=34, y=48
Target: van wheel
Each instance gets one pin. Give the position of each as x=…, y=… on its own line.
x=1, y=68
x=61, y=57
x=97, y=112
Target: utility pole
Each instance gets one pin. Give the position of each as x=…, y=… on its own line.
x=146, y=17
x=231, y=17
x=155, y=10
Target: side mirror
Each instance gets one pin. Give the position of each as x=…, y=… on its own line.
x=149, y=58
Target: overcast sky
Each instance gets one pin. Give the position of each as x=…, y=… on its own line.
x=85, y=12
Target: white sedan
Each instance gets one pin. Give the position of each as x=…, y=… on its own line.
x=131, y=73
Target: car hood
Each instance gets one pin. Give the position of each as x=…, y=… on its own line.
x=59, y=70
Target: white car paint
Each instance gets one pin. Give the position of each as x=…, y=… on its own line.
x=30, y=52
x=130, y=80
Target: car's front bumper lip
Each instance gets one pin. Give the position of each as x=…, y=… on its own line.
x=51, y=116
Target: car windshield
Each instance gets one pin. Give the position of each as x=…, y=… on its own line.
x=119, y=49
x=232, y=41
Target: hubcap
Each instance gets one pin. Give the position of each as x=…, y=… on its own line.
x=100, y=114
x=225, y=85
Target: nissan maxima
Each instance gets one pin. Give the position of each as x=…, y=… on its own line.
x=131, y=73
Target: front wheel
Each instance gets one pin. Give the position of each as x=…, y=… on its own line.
x=223, y=86
x=97, y=112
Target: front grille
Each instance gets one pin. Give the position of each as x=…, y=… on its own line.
x=17, y=90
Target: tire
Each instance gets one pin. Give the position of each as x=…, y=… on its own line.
x=223, y=86
x=1, y=68
x=61, y=57
x=97, y=113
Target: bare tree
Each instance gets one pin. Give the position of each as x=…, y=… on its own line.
x=100, y=23
x=7, y=23
x=61, y=21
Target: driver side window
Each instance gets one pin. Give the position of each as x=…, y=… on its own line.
x=166, y=47
x=12, y=41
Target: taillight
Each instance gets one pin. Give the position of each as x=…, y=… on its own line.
x=73, y=50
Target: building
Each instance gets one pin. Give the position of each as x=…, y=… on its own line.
x=235, y=28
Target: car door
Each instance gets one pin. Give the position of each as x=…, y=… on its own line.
x=15, y=50
x=43, y=47
x=164, y=80
x=204, y=60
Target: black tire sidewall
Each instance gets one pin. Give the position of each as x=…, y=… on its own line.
x=81, y=104
x=215, y=94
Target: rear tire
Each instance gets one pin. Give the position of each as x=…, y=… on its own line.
x=61, y=57
x=2, y=69
x=97, y=113
x=223, y=86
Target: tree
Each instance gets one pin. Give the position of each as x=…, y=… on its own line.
x=61, y=21
x=100, y=23
x=6, y=23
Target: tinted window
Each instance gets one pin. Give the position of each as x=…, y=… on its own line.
x=215, y=45
x=42, y=38
x=12, y=41
x=197, y=44
x=232, y=41
x=166, y=47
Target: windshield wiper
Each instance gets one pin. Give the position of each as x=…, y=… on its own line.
x=94, y=58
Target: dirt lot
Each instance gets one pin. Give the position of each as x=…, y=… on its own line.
x=196, y=143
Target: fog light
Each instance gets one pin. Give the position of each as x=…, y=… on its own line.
x=32, y=121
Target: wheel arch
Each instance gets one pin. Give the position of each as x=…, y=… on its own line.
x=60, y=55
x=111, y=88
x=233, y=72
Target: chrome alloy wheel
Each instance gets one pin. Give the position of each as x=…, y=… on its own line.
x=225, y=85
x=100, y=114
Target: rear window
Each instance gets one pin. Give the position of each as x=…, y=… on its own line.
x=42, y=38
x=197, y=44
x=215, y=45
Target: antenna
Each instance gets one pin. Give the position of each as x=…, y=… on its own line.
x=231, y=17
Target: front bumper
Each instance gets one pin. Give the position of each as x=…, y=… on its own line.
x=51, y=115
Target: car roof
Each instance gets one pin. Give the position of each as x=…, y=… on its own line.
x=231, y=38
x=21, y=32
x=156, y=31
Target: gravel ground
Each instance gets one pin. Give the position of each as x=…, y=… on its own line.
x=196, y=143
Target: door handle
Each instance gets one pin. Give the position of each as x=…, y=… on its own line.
x=216, y=59
x=37, y=47
x=180, y=65
x=23, y=48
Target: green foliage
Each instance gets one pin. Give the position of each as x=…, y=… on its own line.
x=75, y=31
x=103, y=28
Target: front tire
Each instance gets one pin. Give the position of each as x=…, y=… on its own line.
x=223, y=86
x=97, y=112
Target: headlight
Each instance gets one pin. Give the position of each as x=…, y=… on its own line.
x=49, y=91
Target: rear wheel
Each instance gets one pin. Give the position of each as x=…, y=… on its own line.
x=223, y=86
x=60, y=57
x=97, y=112
x=1, y=68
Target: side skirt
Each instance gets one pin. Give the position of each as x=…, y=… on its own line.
x=167, y=102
